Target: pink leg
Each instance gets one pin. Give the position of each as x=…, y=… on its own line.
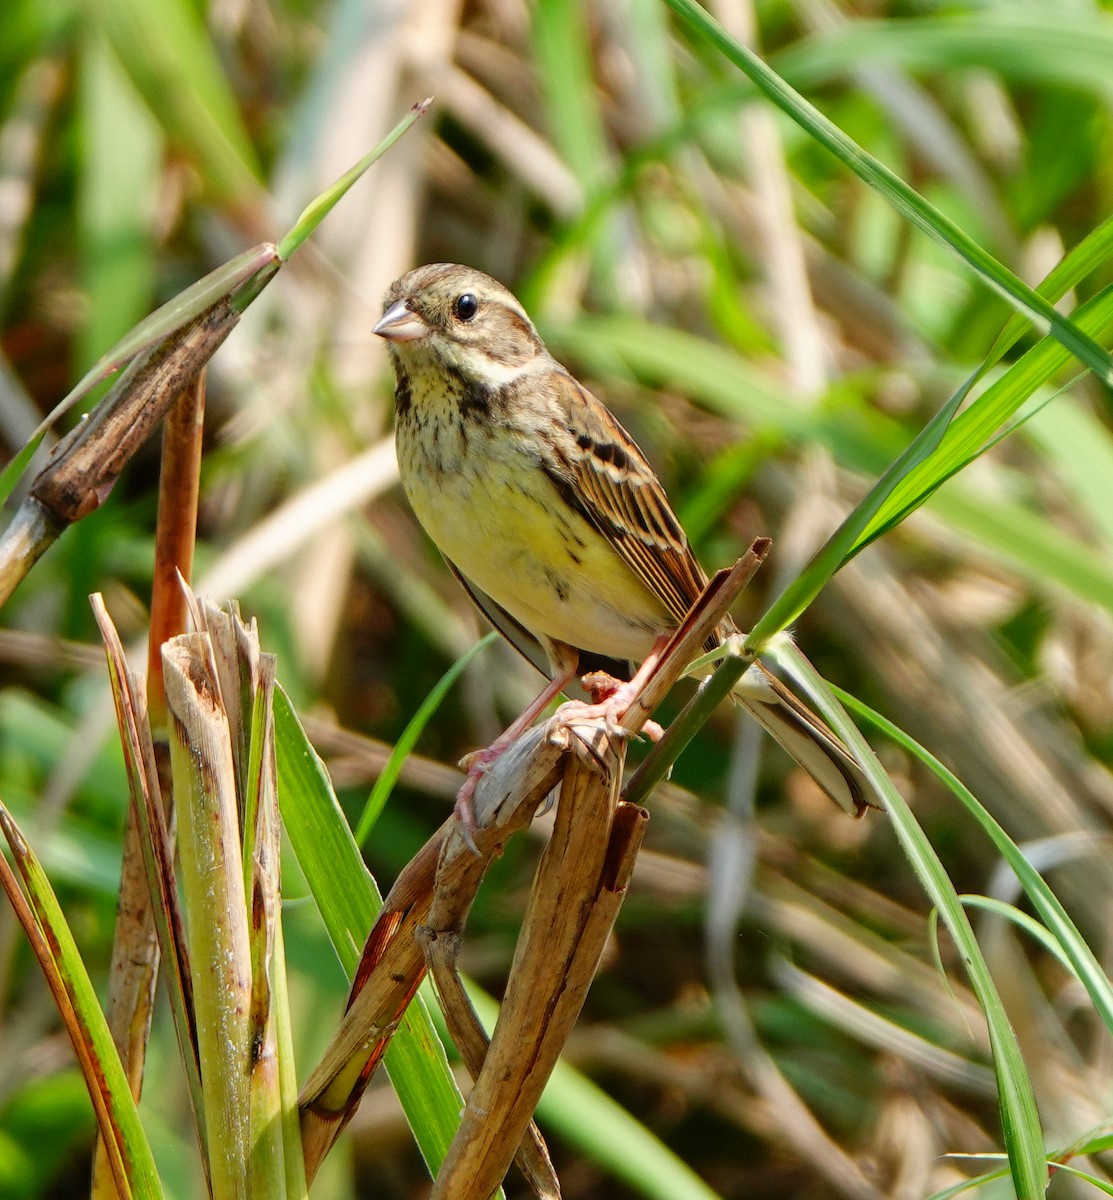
x=479, y=762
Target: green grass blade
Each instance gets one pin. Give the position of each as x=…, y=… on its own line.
x=834, y=552
x=1095, y=249
x=13, y=471
x=912, y=206
x=1102, y=1185
x=1061, y=46
x=1020, y=1122
x=1082, y=960
x=319, y=208
x=108, y=1087
x=348, y=900
x=1032, y=927
x=404, y=746
x=969, y=432
x=946, y=444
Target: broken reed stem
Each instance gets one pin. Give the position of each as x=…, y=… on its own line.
x=211, y=875
x=392, y=965
x=577, y=892
x=468, y=1035
x=84, y=466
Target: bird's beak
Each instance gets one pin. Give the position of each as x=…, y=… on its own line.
x=400, y=324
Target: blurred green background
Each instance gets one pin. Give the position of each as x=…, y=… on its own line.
x=773, y=333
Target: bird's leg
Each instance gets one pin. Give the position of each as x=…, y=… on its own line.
x=479, y=762
x=612, y=697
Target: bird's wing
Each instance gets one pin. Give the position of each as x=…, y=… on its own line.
x=805, y=737
x=512, y=630
x=604, y=476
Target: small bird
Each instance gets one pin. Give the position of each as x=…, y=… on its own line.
x=546, y=510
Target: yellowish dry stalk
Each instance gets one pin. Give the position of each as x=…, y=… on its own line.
x=393, y=965
x=216, y=907
x=576, y=896
x=577, y=893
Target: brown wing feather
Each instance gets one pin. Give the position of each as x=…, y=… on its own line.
x=608, y=479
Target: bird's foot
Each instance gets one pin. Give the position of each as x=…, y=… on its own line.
x=610, y=700
x=477, y=764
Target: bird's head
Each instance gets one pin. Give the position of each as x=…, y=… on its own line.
x=455, y=317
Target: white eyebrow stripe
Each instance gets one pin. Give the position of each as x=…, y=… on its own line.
x=498, y=373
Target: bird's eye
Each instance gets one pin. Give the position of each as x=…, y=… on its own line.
x=466, y=307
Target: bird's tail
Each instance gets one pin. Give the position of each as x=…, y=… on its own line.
x=805, y=737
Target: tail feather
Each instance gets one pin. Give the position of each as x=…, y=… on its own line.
x=805, y=737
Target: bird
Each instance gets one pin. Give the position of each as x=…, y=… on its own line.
x=548, y=513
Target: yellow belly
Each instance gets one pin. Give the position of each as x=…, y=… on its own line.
x=498, y=518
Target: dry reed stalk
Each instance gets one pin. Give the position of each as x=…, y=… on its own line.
x=128, y=1019
x=135, y=948
x=214, y=898
x=577, y=893
x=392, y=965
x=85, y=464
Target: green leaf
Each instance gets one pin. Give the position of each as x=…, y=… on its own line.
x=970, y=431
x=1055, y=919
x=73, y=990
x=909, y=203
x=319, y=208
x=1019, y=1116
x=404, y=746
x=348, y=900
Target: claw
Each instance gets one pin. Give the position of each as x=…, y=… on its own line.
x=609, y=711
x=477, y=763
x=465, y=807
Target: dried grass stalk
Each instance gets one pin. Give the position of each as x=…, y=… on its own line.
x=577, y=892
x=215, y=903
x=148, y=852
x=392, y=965
x=466, y=1030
